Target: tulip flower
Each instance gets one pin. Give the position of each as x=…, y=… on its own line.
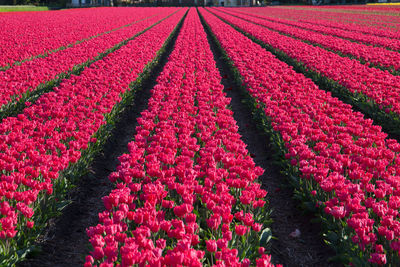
x=195, y=172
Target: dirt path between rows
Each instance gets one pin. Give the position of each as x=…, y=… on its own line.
x=307, y=250
x=65, y=242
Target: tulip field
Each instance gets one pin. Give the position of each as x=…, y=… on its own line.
x=322, y=85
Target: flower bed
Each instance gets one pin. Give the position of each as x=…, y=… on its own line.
x=349, y=22
x=186, y=193
x=347, y=165
x=374, y=91
x=27, y=35
x=383, y=22
x=370, y=39
x=375, y=56
x=55, y=139
x=27, y=81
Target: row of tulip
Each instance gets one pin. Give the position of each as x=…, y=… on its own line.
x=367, y=29
x=365, y=34
x=374, y=91
x=346, y=164
x=359, y=7
x=389, y=23
x=186, y=193
x=371, y=39
x=374, y=17
x=55, y=139
x=27, y=35
x=27, y=81
x=383, y=10
x=375, y=56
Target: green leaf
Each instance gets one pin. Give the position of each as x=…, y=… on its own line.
x=294, y=180
x=265, y=237
x=32, y=250
x=332, y=237
x=196, y=212
x=62, y=204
